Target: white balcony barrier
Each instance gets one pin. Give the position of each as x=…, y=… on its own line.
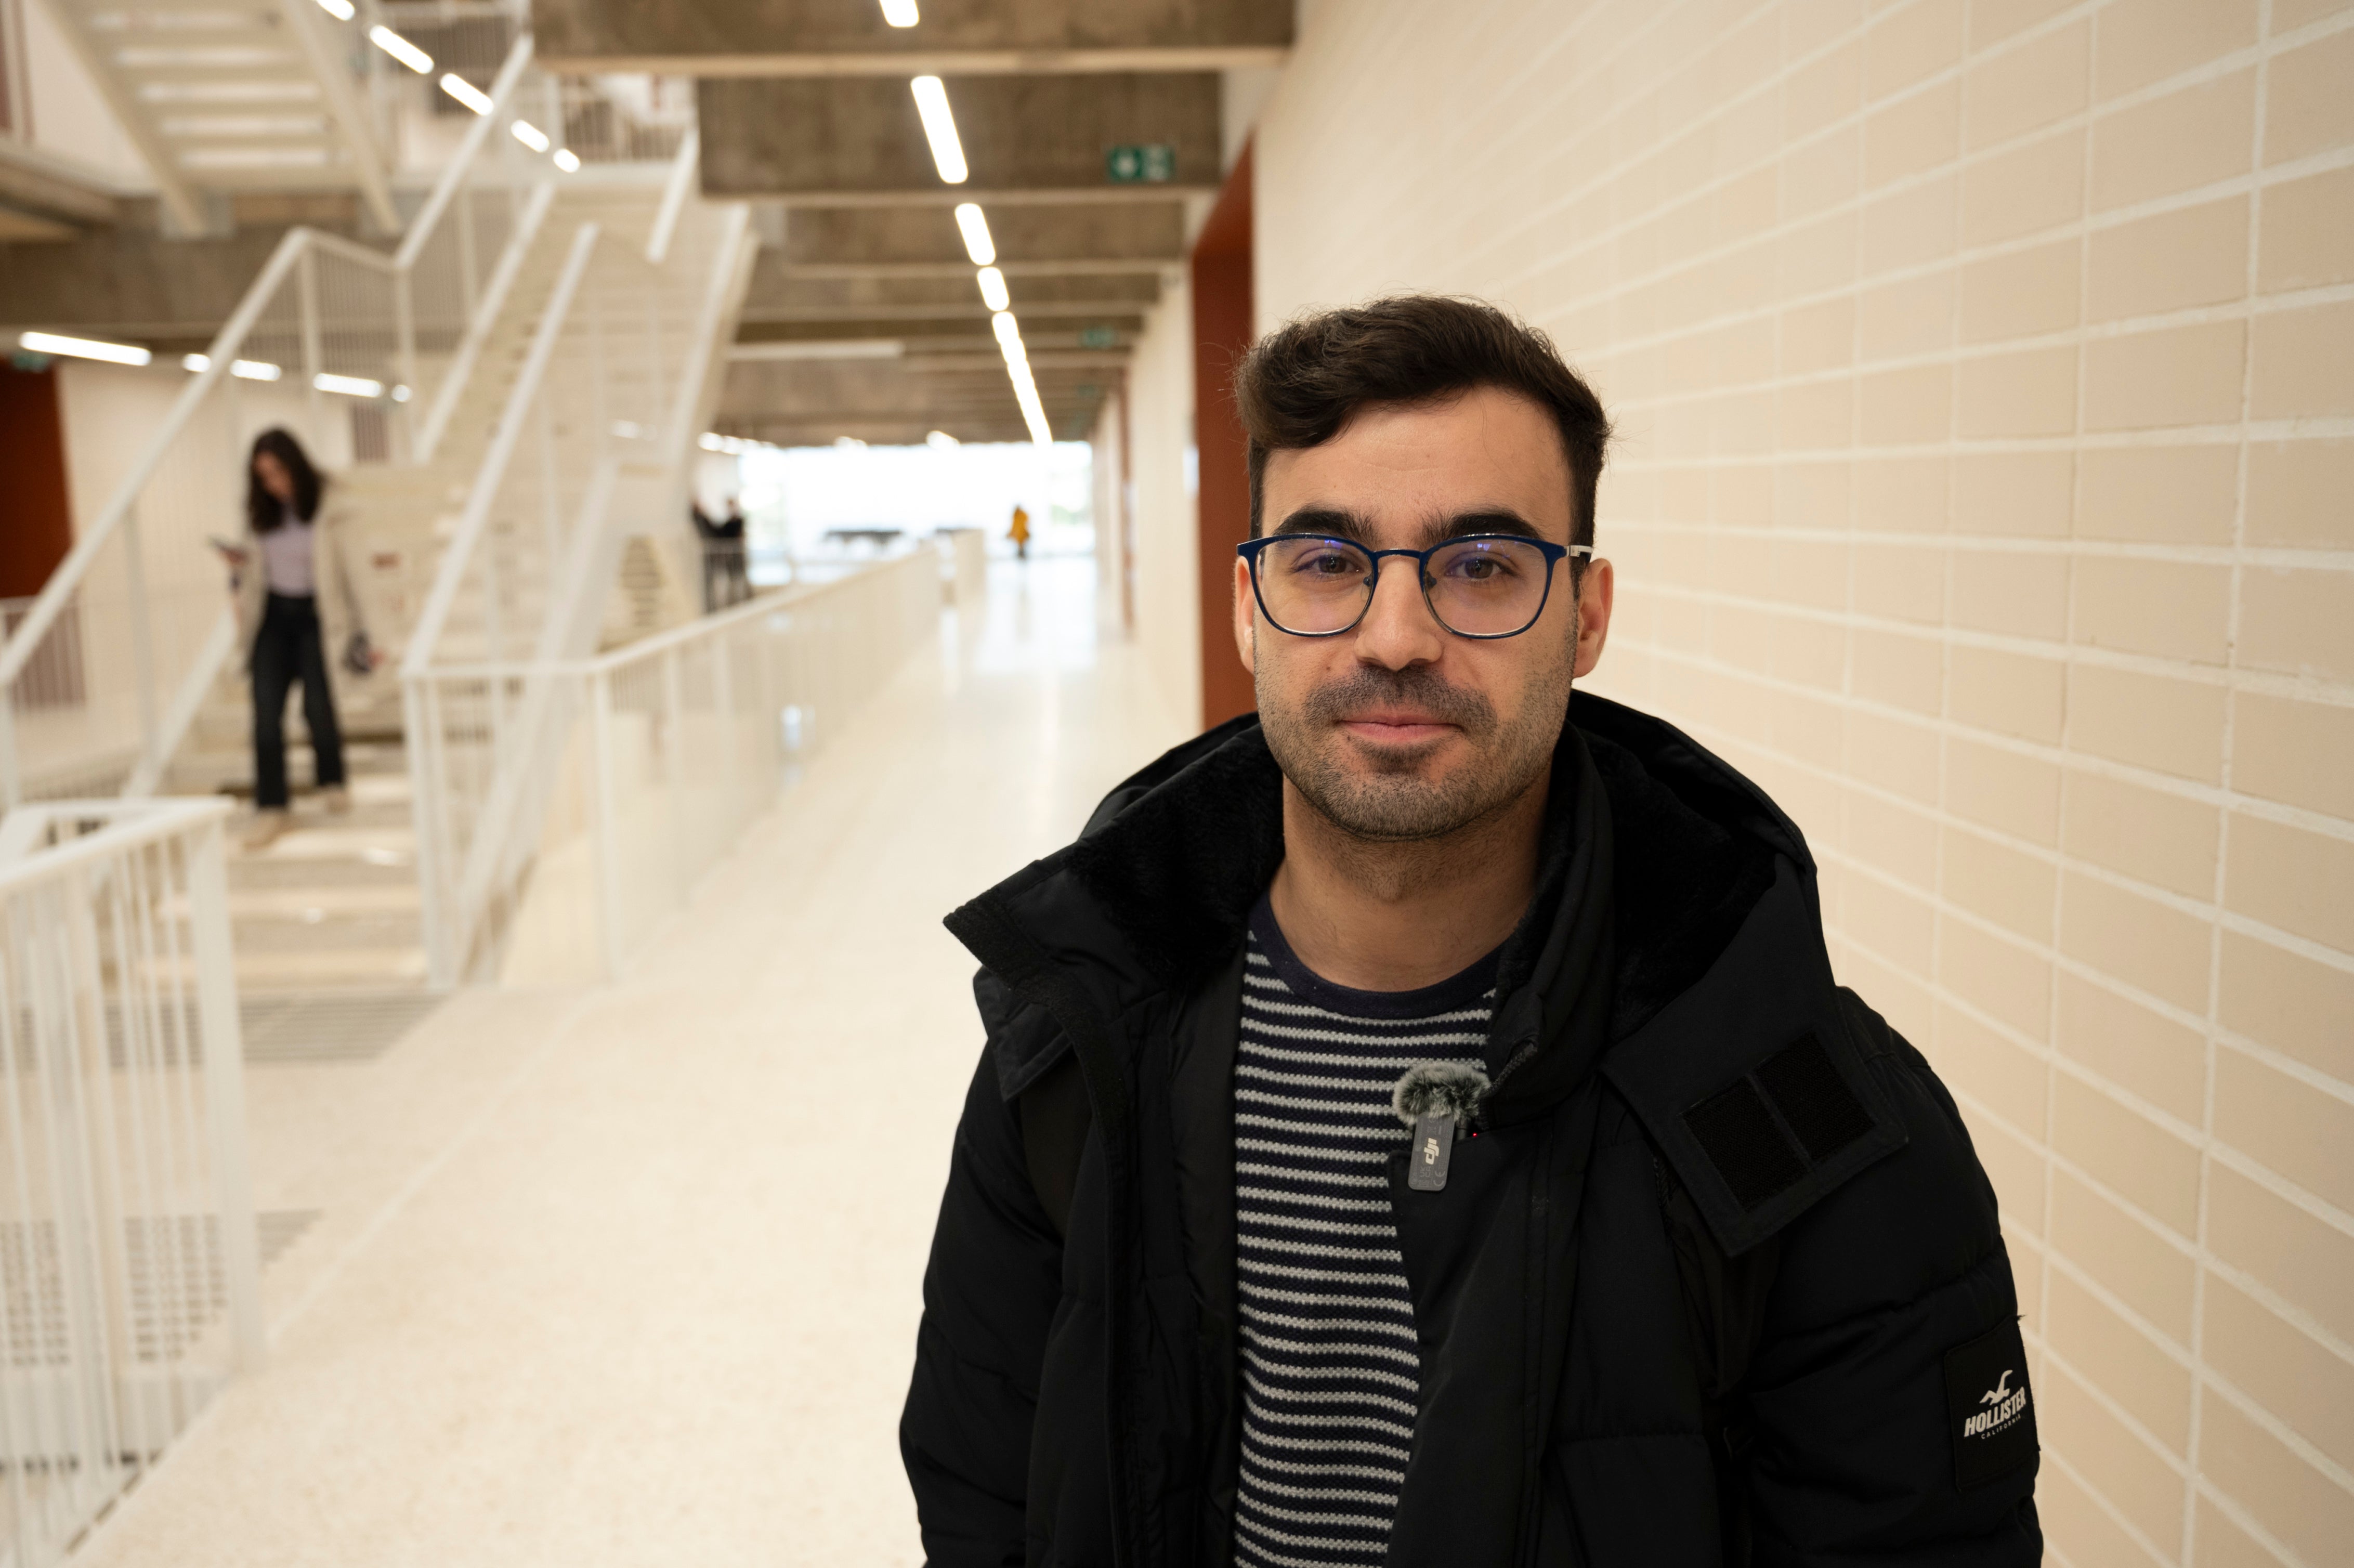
x=968, y=564
x=129, y=1280
x=574, y=803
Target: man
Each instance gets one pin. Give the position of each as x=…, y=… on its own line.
x=1418, y=1123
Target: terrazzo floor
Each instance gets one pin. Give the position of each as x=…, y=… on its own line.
x=629, y=1275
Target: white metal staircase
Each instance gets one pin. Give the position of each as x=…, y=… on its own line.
x=501, y=403
x=234, y=95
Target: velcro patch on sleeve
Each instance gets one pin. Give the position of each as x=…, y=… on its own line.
x=1747, y=1142
x=1989, y=1410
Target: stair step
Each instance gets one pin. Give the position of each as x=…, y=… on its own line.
x=338, y=967
x=376, y=846
x=310, y=905
x=255, y=939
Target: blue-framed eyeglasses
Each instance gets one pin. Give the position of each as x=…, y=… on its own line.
x=1481, y=585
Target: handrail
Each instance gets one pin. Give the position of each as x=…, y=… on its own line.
x=461, y=873
x=76, y=565
x=445, y=189
x=476, y=516
x=662, y=642
x=148, y=770
x=685, y=416
x=142, y=823
x=222, y=353
x=17, y=649
x=342, y=103
x=684, y=169
x=351, y=250
x=478, y=331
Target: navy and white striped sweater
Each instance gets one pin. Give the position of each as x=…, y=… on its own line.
x=1330, y=1372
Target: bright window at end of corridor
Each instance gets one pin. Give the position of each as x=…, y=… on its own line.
x=817, y=505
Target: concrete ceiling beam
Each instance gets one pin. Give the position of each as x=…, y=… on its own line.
x=776, y=288
x=828, y=37
x=1141, y=266
x=848, y=321
x=1037, y=326
x=1026, y=138
x=904, y=241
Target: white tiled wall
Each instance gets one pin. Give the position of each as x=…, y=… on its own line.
x=1985, y=371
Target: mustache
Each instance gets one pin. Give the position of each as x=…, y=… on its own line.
x=1418, y=687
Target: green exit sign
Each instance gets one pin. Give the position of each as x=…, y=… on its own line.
x=1098, y=338
x=1151, y=164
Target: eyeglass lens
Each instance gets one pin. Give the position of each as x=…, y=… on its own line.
x=1479, y=587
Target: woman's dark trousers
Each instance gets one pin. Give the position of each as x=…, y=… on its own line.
x=287, y=650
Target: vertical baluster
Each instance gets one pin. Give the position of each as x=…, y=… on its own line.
x=609, y=826
x=464, y=205
x=306, y=295
x=85, y=1258
x=12, y=783
x=225, y=1095
x=143, y=639
x=675, y=766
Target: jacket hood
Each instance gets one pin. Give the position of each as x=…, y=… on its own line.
x=1154, y=895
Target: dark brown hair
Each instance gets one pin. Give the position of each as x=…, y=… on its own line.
x=265, y=510
x=1300, y=383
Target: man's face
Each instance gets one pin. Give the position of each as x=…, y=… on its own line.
x=1399, y=729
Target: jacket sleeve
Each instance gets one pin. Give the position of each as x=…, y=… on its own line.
x=1891, y=1311
x=991, y=1289
x=337, y=568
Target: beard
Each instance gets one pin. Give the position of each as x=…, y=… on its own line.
x=1406, y=796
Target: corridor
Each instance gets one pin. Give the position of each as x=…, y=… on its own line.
x=629, y=1275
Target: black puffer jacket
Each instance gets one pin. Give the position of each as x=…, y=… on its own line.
x=1720, y=1279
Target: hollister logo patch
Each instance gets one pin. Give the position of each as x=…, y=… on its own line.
x=1989, y=1405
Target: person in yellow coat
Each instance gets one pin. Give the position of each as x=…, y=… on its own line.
x=1020, y=534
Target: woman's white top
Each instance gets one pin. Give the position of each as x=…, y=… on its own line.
x=286, y=558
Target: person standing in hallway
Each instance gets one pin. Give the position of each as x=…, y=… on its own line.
x=1020, y=534
x=1418, y=1122
x=295, y=599
x=722, y=538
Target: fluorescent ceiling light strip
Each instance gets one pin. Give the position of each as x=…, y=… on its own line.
x=341, y=10
x=1017, y=370
x=900, y=13
x=84, y=348
x=974, y=224
x=940, y=128
x=993, y=289
x=568, y=160
x=465, y=93
x=941, y=441
x=401, y=49
x=349, y=385
x=530, y=135
x=244, y=369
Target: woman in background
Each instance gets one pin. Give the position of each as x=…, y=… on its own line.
x=295, y=600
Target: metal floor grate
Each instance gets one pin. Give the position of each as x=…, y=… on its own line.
x=354, y=1027
x=175, y=1280
x=348, y=1026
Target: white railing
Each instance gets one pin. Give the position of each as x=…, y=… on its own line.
x=365, y=355
x=609, y=390
x=967, y=550
x=129, y=1274
x=644, y=766
x=591, y=446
